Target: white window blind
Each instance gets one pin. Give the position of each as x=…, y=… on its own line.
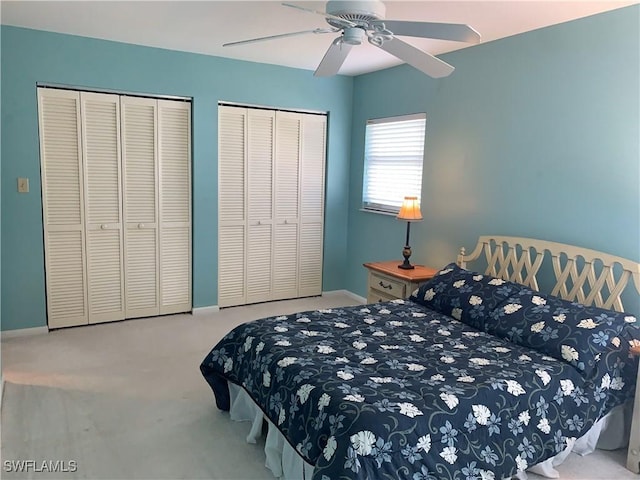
x=393, y=158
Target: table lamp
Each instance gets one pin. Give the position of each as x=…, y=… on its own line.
x=409, y=211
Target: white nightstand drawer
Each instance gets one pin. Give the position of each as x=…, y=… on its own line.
x=376, y=297
x=387, y=286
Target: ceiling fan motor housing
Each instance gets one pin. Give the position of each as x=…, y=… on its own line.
x=358, y=12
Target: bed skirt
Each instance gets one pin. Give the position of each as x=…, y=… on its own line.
x=609, y=433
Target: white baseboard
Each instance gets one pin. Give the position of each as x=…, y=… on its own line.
x=347, y=293
x=23, y=332
x=205, y=310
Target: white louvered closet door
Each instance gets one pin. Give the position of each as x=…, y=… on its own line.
x=63, y=212
x=140, y=200
x=312, y=163
x=174, y=127
x=270, y=203
x=260, y=156
x=103, y=209
x=286, y=211
x=232, y=138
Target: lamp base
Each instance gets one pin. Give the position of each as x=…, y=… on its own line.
x=406, y=253
x=406, y=266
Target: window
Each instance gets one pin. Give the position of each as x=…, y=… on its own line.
x=393, y=158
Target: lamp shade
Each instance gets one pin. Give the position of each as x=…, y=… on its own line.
x=410, y=210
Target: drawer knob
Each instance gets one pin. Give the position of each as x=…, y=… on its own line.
x=389, y=286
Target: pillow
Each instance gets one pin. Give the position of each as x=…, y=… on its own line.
x=464, y=295
x=564, y=330
x=617, y=368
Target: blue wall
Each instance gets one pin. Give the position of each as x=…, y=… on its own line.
x=535, y=135
x=30, y=56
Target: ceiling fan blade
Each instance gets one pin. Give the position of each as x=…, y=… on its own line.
x=344, y=22
x=423, y=61
x=282, y=35
x=333, y=59
x=443, y=31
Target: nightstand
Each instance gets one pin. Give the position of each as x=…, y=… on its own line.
x=633, y=456
x=388, y=282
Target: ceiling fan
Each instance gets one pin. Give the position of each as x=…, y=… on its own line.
x=357, y=20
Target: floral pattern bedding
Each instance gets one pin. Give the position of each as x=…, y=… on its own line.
x=566, y=330
x=398, y=391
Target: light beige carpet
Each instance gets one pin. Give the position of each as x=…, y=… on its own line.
x=127, y=401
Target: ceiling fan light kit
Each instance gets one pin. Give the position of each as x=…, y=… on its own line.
x=366, y=18
x=353, y=36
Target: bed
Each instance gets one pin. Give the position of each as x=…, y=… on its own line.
x=476, y=375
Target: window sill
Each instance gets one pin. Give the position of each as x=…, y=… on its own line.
x=389, y=214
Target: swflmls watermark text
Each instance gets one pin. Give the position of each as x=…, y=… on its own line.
x=39, y=466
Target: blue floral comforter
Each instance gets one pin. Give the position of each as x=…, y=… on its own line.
x=397, y=391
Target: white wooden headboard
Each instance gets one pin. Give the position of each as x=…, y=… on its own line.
x=583, y=275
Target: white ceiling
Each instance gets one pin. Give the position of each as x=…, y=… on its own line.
x=203, y=26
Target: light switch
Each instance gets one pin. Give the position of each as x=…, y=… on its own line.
x=23, y=185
